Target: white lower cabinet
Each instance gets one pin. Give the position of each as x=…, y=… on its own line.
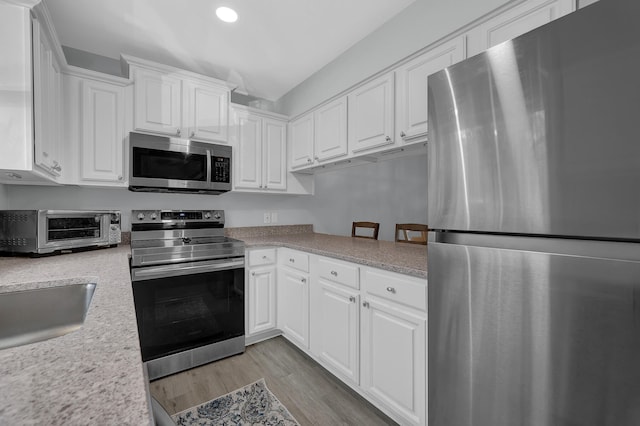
x=293, y=296
x=394, y=359
x=336, y=329
x=261, y=287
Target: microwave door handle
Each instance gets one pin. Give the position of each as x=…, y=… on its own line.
x=178, y=270
x=209, y=170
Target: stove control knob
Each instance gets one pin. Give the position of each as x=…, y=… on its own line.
x=217, y=216
x=154, y=216
x=140, y=216
x=207, y=215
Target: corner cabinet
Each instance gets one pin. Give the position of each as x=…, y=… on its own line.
x=96, y=128
x=259, y=139
x=178, y=103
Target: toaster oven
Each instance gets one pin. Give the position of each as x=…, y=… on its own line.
x=49, y=231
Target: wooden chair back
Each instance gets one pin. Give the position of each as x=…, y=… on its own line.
x=375, y=227
x=414, y=233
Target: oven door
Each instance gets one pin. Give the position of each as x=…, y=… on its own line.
x=61, y=229
x=186, y=306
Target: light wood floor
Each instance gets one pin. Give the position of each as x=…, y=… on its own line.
x=313, y=395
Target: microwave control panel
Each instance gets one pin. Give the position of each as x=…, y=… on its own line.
x=221, y=171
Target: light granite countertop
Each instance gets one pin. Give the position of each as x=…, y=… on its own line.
x=409, y=259
x=91, y=376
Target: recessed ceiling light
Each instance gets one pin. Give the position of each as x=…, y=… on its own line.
x=226, y=14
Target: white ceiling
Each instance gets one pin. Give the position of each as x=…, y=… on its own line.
x=274, y=45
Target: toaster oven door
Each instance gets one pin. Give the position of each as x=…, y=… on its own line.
x=58, y=230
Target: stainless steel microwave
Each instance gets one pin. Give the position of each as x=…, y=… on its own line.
x=49, y=231
x=163, y=164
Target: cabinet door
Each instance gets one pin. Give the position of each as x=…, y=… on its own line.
x=394, y=359
x=371, y=114
x=47, y=104
x=248, y=155
x=337, y=333
x=274, y=163
x=301, y=141
x=158, y=102
x=262, y=300
x=102, y=142
x=331, y=130
x=207, y=112
x=293, y=307
x=516, y=21
x=411, y=88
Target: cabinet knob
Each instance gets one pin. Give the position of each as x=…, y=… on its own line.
x=352, y=299
x=178, y=132
x=253, y=273
x=391, y=290
x=303, y=280
x=402, y=134
x=387, y=138
x=365, y=304
x=260, y=186
x=265, y=257
x=56, y=166
x=334, y=273
x=265, y=187
x=316, y=158
x=309, y=160
x=45, y=154
x=292, y=260
x=193, y=134
x=119, y=177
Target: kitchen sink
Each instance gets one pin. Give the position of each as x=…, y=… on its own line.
x=31, y=316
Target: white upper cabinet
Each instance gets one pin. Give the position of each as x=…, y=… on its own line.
x=522, y=18
x=411, y=88
x=301, y=141
x=371, y=117
x=47, y=94
x=330, y=135
x=158, y=102
x=178, y=103
x=260, y=151
x=207, y=111
x=274, y=164
x=102, y=141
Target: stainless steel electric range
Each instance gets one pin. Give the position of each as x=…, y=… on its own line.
x=188, y=287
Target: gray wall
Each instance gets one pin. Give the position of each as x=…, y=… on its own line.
x=387, y=192
x=419, y=25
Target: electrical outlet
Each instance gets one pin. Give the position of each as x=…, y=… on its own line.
x=267, y=217
x=274, y=217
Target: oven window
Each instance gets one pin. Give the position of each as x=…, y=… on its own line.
x=161, y=164
x=180, y=313
x=66, y=228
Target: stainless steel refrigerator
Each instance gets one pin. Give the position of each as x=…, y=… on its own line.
x=534, y=203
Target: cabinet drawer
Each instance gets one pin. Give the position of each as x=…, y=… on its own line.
x=398, y=288
x=340, y=272
x=295, y=259
x=258, y=257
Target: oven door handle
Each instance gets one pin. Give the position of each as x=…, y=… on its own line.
x=149, y=273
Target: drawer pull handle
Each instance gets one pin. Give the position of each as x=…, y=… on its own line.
x=334, y=273
x=352, y=299
x=292, y=260
x=391, y=290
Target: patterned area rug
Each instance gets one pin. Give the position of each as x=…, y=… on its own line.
x=253, y=404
